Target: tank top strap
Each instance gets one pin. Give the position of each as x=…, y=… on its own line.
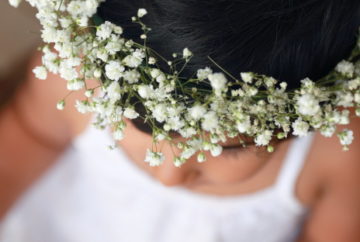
x=293, y=164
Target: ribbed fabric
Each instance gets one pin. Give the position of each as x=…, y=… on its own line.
x=94, y=194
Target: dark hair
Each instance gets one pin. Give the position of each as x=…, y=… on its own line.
x=289, y=40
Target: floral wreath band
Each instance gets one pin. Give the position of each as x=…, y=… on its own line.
x=252, y=105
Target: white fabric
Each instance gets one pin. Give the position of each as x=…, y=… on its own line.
x=94, y=194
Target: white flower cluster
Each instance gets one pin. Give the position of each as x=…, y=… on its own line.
x=253, y=105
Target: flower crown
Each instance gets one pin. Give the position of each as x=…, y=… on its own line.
x=250, y=105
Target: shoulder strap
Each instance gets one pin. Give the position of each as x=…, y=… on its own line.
x=293, y=163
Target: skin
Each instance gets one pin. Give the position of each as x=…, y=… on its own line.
x=328, y=183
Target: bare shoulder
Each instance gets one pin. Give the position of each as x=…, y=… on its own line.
x=335, y=213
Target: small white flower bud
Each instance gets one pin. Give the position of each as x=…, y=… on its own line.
x=89, y=93
x=216, y=150
x=270, y=149
x=130, y=113
x=283, y=85
x=97, y=73
x=178, y=161
x=187, y=53
x=246, y=77
x=357, y=112
x=201, y=157
x=346, y=137
x=141, y=12
x=281, y=135
x=154, y=158
x=152, y=60
x=15, y=3
x=40, y=72
x=60, y=105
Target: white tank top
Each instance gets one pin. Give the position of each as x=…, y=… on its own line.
x=94, y=194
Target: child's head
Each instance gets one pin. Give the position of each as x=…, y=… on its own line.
x=289, y=40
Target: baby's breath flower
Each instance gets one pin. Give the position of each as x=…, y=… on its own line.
x=40, y=72
x=97, y=73
x=328, y=130
x=216, y=150
x=247, y=77
x=141, y=12
x=178, y=161
x=130, y=113
x=75, y=7
x=114, y=70
x=344, y=117
x=243, y=125
x=187, y=132
x=346, y=137
x=155, y=73
x=345, y=99
x=103, y=31
x=113, y=46
x=114, y=91
x=187, y=153
x=145, y=91
x=354, y=84
x=210, y=121
x=357, y=112
x=159, y=112
x=68, y=73
x=60, y=105
x=263, y=138
x=197, y=112
x=152, y=60
x=154, y=158
x=160, y=136
x=357, y=97
x=89, y=93
x=135, y=59
x=187, y=53
x=203, y=74
x=75, y=85
x=308, y=105
x=201, y=157
x=132, y=76
x=15, y=3
x=82, y=106
x=346, y=68
x=283, y=85
x=300, y=127
x=218, y=82
x=102, y=54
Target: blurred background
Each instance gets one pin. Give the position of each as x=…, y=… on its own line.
x=18, y=35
